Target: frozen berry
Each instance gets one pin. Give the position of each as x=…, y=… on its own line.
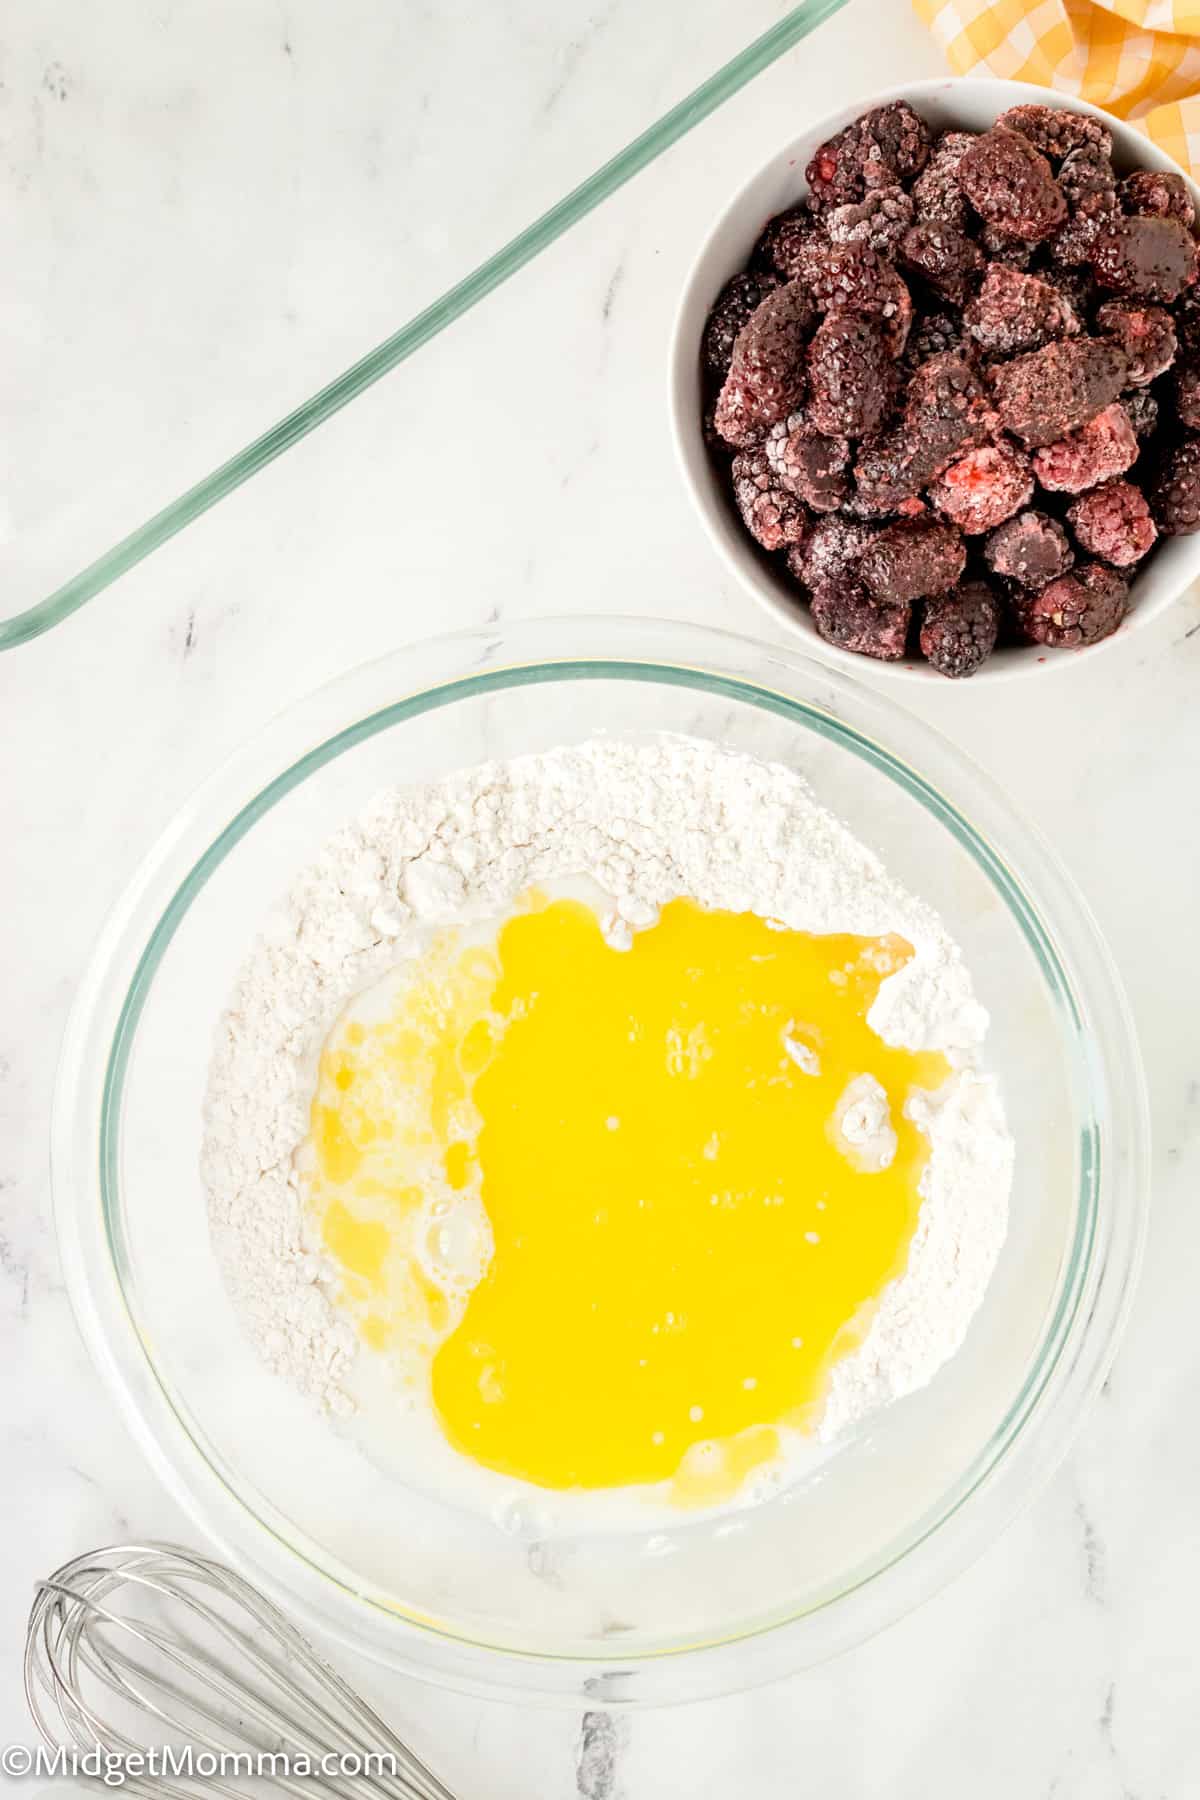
x=946, y=402
x=879, y=221
x=891, y=472
x=738, y=300
x=932, y=333
x=1141, y=408
x=848, y=617
x=773, y=517
x=788, y=244
x=830, y=553
x=766, y=378
x=1174, y=490
x=1187, y=317
x=1029, y=550
x=1155, y=258
x=959, y=629
x=912, y=557
x=1089, y=185
x=1106, y=446
x=1113, y=522
x=850, y=376
x=809, y=464
x=854, y=278
x=1077, y=609
x=984, y=487
x=1044, y=395
x=937, y=193
x=1014, y=253
x=834, y=175
x=1145, y=333
x=1055, y=131
x=1185, y=390
x=1158, y=194
x=1011, y=185
x=1014, y=312
x=945, y=257
x=1074, y=283
x=895, y=144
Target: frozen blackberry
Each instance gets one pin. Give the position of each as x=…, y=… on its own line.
x=1029, y=550
x=835, y=174
x=895, y=144
x=932, y=334
x=848, y=617
x=1089, y=185
x=1113, y=522
x=1050, y=392
x=1077, y=609
x=810, y=464
x=1145, y=333
x=1011, y=185
x=1074, y=283
x=947, y=403
x=891, y=472
x=945, y=257
x=787, y=246
x=1157, y=194
x=1106, y=446
x=830, y=553
x=1015, y=253
x=1174, y=491
x=937, y=193
x=1141, y=409
x=911, y=558
x=854, y=278
x=1185, y=391
x=984, y=487
x=959, y=629
x=1152, y=257
x=1013, y=312
x=738, y=300
x=1056, y=132
x=851, y=377
x=1187, y=317
x=766, y=378
x=773, y=517
x=879, y=221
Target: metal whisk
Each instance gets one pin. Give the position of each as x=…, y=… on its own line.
x=147, y=1646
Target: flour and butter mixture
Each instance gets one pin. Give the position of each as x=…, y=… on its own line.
x=601, y=1134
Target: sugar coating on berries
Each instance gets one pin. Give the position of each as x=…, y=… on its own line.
x=774, y=517
x=734, y=307
x=1174, y=491
x=1044, y=395
x=1013, y=313
x=1077, y=609
x=1012, y=186
x=1185, y=391
x=879, y=221
x=1055, y=131
x=984, y=487
x=1114, y=523
x=937, y=191
x=959, y=629
x=788, y=244
x=848, y=617
x=1106, y=446
x=1158, y=194
x=1029, y=550
x=854, y=278
x=911, y=558
x=830, y=553
x=1089, y=184
x=809, y=463
x=943, y=256
x=850, y=376
x=766, y=379
x=1145, y=333
x=1151, y=257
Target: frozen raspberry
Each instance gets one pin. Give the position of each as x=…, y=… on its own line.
x=1044, y=395
x=787, y=245
x=1055, y=131
x=959, y=629
x=773, y=517
x=1158, y=195
x=932, y=334
x=1145, y=333
x=1174, y=490
x=1142, y=410
x=1011, y=185
x=911, y=558
x=1113, y=522
x=854, y=278
x=830, y=553
x=1185, y=389
x=848, y=617
x=1107, y=445
x=879, y=221
x=1014, y=312
x=850, y=376
x=809, y=464
x=984, y=487
x=943, y=256
x=766, y=377
x=738, y=300
x=1155, y=258
x=1029, y=550
x=1077, y=609
x=1089, y=184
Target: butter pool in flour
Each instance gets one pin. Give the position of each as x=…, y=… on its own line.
x=602, y=1134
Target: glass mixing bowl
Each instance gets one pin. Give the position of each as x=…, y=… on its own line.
x=615, y=1618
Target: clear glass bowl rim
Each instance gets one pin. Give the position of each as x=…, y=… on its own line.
x=1111, y=1208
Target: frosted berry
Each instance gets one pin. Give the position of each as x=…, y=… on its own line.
x=984, y=487
x=1145, y=333
x=959, y=629
x=1011, y=185
x=809, y=463
x=1152, y=257
x=1113, y=522
x=734, y=307
x=1106, y=446
x=879, y=221
x=1174, y=491
x=766, y=379
x=1077, y=609
x=848, y=617
x=1029, y=550
x=1050, y=392
x=911, y=558
x=850, y=376
x=774, y=517
x=1158, y=194
x=944, y=257
x=1185, y=391
x=1013, y=313
x=1056, y=132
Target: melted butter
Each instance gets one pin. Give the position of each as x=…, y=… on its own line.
x=682, y=1244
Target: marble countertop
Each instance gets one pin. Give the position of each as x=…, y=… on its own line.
x=1062, y=1666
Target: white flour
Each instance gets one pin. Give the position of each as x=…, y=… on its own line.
x=649, y=823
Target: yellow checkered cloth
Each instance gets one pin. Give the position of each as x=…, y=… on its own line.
x=1139, y=59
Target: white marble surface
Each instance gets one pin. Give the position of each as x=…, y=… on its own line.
x=523, y=466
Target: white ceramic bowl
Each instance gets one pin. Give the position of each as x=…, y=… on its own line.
x=971, y=104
